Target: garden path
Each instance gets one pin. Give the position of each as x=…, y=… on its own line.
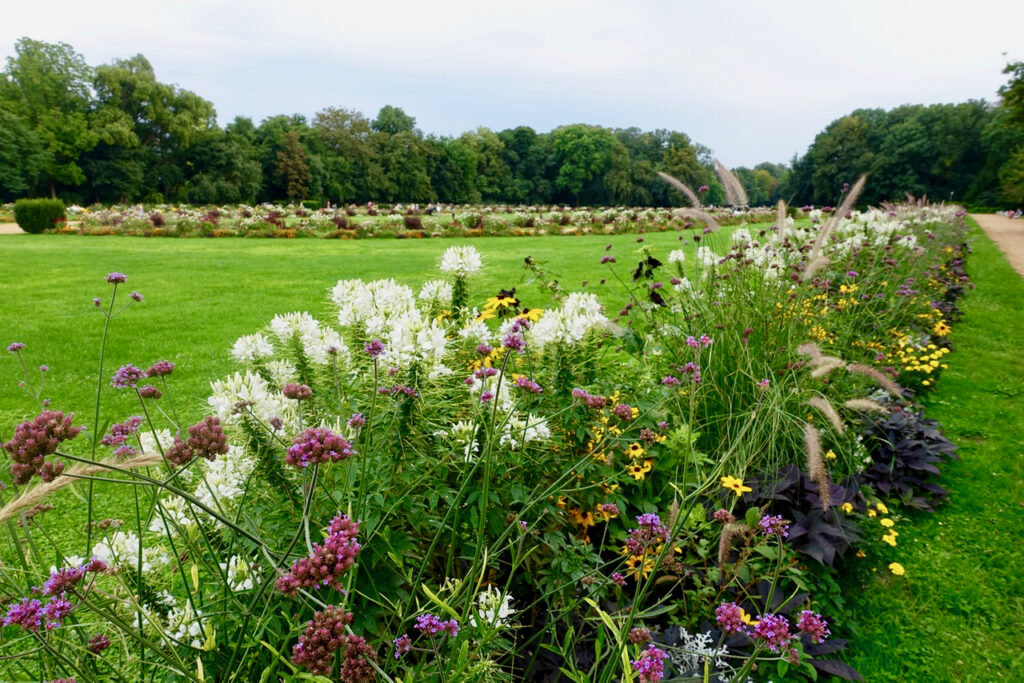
x=1008, y=233
x=10, y=229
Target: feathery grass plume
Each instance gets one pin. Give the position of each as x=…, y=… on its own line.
x=816, y=465
x=683, y=188
x=866, y=405
x=673, y=513
x=814, y=265
x=839, y=214
x=729, y=532
x=809, y=349
x=734, y=192
x=780, y=219
x=881, y=379
x=39, y=493
x=823, y=406
x=825, y=365
x=698, y=214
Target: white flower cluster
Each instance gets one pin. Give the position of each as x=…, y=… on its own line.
x=121, y=549
x=436, y=292
x=256, y=393
x=690, y=655
x=461, y=261
x=224, y=481
x=492, y=608
x=316, y=342
x=581, y=313
x=519, y=430
x=374, y=305
x=241, y=574
x=185, y=625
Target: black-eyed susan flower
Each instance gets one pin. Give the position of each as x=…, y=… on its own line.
x=639, y=470
x=735, y=485
x=635, y=451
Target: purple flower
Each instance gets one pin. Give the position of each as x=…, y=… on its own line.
x=429, y=625
x=651, y=665
x=56, y=610
x=120, y=431
x=276, y=423
x=15, y=347
x=127, y=376
x=592, y=401
x=610, y=508
x=135, y=296
x=851, y=273
x=670, y=381
x=514, y=342
x=692, y=342
x=116, y=278
x=317, y=445
x=374, y=348
x=486, y=396
x=485, y=372
x=650, y=533
x=623, y=411
x=96, y=301
x=98, y=643
x=729, y=616
x=814, y=625
x=724, y=516
x=149, y=391
x=484, y=349
x=527, y=384
x=702, y=188
x=28, y=614
x=356, y=421
x=297, y=392
x=607, y=259
x=206, y=440
x=328, y=561
x=125, y=452
x=774, y=525
x=764, y=383
x=324, y=635
x=44, y=368
x=705, y=340
x=33, y=441
x=62, y=580
x=639, y=635
x=619, y=579
x=774, y=631
x=402, y=645
x=160, y=368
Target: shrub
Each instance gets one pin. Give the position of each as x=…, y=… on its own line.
x=36, y=215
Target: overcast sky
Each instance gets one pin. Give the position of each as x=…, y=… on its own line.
x=755, y=81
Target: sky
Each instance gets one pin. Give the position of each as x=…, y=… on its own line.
x=754, y=81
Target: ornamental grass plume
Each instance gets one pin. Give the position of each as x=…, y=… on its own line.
x=780, y=220
x=725, y=541
x=866, y=370
x=328, y=561
x=809, y=349
x=734, y=192
x=683, y=189
x=816, y=465
x=824, y=406
x=865, y=405
x=825, y=364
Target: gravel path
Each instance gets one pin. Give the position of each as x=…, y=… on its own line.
x=1008, y=233
x=10, y=229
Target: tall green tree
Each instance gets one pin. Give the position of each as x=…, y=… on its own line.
x=584, y=154
x=292, y=167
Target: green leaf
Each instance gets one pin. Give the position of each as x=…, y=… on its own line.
x=753, y=517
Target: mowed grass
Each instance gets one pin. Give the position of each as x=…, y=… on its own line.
x=957, y=614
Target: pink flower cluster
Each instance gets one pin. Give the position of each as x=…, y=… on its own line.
x=528, y=384
x=324, y=635
x=327, y=562
x=120, y=431
x=430, y=625
x=650, y=532
x=773, y=629
x=316, y=445
x=651, y=665
x=206, y=439
x=35, y=440
x=592, y=401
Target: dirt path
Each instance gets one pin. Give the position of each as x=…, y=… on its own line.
x=10, y=229
x=1008, y=233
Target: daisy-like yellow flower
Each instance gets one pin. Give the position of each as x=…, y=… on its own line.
x=533, y=314
x=897, y=568
x=639, y=471
x=486, y=314
x=735, y=485
x=609, y=488
x=830, y=455
x=887, y=523
x=881, y=508
x=635, y=451
x=890, y=538
x=872, y=513
x=847, y=507
x=941, y=329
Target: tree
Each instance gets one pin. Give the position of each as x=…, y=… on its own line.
x=292, y=167
x=392, y=120
x=47, y=86
x=583, y=153
x=23, y=156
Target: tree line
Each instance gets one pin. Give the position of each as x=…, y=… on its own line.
x=114, y=133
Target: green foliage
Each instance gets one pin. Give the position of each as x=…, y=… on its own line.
x=292, y=167
x=36, y=215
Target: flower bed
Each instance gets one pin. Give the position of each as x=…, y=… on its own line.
x=450, y=484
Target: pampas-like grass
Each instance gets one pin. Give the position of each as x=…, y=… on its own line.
x=879, y=378
x=866, y=405
x=816, y=465
x=780, y=220
x=734, y=192
x=825, y=365
x=837, y=215
x=809, y=349
x=725, y=542
x=823, y=406
x=39, y=493
x=683, y=188
x=814, y=265
x=697, y=214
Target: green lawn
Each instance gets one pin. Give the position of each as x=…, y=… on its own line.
x=957, y=614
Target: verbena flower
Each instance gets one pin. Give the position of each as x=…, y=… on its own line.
x=149, y=391
x=98, y=643
x=430, y=624
x=357, y=666
x=297, y=392
x=374, y=348
x=323, y=636
x=402, y=643
x=116, y=278
x=317, y=445
x=328, y=561
x=15, y=347
x=773, y=525
x=773, y=629
x=161, y=368
x=730, y=619
x=651, y=664
x=120, y=431
x=135, y=296
x=813, y=625
x=127, y=376
x=650, y=533
x=34, y=441
x=527, y=384
x=639, y=635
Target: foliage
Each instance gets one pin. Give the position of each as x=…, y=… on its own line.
x=36, y=215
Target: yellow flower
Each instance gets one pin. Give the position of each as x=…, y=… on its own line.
x=609, y=488
x=881, y=508
x=486, y=314
x=735, y=485
x=847, y=508
x=861, y=553
x=872, y=513
x=494, y=303
x=897, y=568
x=887, y=523
x=941, y=328
x=635, y=450
x=830, y=455
x=638, y=472
x=890, y=538
x=533, y=314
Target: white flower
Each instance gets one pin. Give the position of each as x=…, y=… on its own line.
x=476, y=331
x=241, y=574
x=436, y=291
x=224, y=480
x=492, y=608
x=518, y=430
x=256, y=393
x=122, y=549
x=282, y=372
x=252, y=347
x=149, y=442
x=185, y=625
x=580, y=314
x=464, y=260
x=706, y=257
x=741, y=235
x=172, y=518
x=463, y=434
x=676, y=256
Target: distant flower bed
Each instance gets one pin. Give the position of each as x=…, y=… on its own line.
x=399, y=221
x=439, y=483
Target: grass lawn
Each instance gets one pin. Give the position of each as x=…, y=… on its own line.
x=957, y=614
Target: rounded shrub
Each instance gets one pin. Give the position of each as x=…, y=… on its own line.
x=36, y=215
